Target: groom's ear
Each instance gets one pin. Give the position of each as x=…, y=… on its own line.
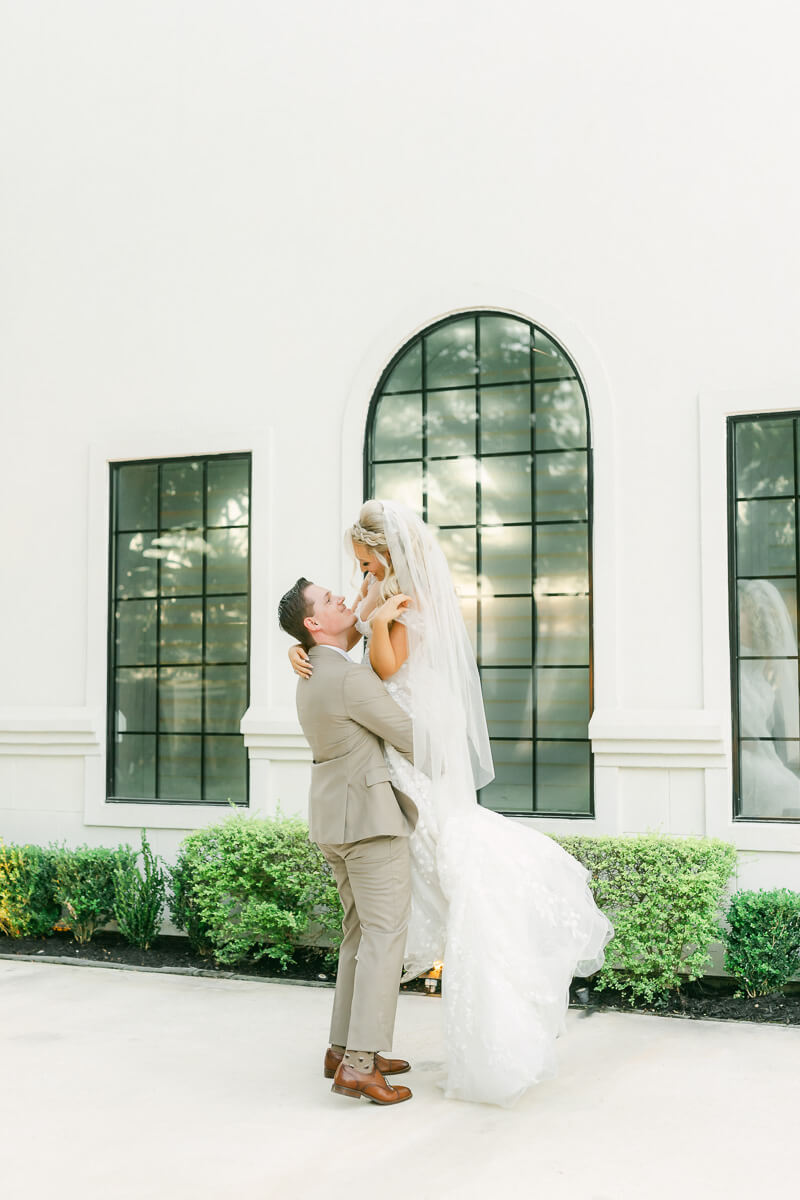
x=311, y=624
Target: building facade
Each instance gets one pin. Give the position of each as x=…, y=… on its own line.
x=534, y=275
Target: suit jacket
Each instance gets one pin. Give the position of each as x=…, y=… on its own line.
x=345, y=711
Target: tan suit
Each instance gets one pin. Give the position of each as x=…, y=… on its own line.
x=347, y=714
x=361, y=825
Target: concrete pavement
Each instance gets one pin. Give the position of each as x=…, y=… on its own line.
x=136, y=1086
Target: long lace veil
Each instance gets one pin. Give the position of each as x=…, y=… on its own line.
x=451, y=741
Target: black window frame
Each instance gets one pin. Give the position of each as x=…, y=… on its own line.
x=732, y=422
x=369, y=462
x=111, y=666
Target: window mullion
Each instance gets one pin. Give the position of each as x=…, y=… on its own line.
x=534, y=695
x=424, y=401
x=478, y=503
x=203, y=637
x=157, y=787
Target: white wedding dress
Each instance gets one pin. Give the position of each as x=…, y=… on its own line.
x=511, y=916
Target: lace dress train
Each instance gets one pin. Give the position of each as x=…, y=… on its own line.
x=513, y=918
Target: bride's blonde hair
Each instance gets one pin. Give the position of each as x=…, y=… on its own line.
x=370, y=530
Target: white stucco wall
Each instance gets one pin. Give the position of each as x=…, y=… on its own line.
x=220, y=220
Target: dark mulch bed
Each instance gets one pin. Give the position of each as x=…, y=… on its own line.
x=706, y=998
x=712, y=997
x=166, y=952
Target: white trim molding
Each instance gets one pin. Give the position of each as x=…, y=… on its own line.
x=49, y=731
x=276, y=736
x=186, y=442
x=658, y=739
x=713, y=410
x=670, y=738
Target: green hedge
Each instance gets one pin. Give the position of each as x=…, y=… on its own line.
x=251, y=887
x=184, y=899
x=84, y=885
x=664, y=896
x=762, y=939
x=242, y=889
x=28, y=907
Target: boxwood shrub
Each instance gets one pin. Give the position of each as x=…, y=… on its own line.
x=28, y=907
x=84, y=885
x=664, y=896
x=250, y=887
x=139, y=897
x=762, y=939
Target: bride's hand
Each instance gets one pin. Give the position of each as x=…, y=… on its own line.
x=301, y=663
x=391, y=608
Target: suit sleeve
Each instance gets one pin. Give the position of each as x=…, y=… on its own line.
x=369, y=704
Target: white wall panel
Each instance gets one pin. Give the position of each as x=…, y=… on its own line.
x=230, y=216
x=687, y=803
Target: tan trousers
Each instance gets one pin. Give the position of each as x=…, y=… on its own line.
x=374, y=885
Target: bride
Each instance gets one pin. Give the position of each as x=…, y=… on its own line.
x=503, y=906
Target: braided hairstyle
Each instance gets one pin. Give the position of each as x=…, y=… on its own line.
x=370, y=530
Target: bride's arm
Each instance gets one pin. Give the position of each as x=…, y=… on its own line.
x=301, y=663
x=388, y=645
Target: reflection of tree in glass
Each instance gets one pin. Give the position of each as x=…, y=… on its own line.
x=560, y=415
x=505, y=349
x=398, y=427
x=553, y=364
x=765, y=539
x=451, y=491
x=768, y=703
x=181, y=495
x=179, y=548
x=450, y=354
x=135, y=576
x=559, y=465
x=780, y=530
x=450, y=422
x=765, y=458
x=233, y=511
x=406, y=375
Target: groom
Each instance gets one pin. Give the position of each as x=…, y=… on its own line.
x=361, y=825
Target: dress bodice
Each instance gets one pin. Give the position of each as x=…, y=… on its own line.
x=363, y=628
x=397, y=685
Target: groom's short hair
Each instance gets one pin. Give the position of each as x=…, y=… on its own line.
x=293, y=610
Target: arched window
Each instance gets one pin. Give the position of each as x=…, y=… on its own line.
x=481, y=424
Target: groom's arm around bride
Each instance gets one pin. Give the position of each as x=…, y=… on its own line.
x=361, y=825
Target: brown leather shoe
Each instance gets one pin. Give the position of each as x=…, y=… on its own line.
x=386, y=1066
x=347, y=1082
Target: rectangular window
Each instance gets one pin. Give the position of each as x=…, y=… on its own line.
x=763, y=486
x=179, y=630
